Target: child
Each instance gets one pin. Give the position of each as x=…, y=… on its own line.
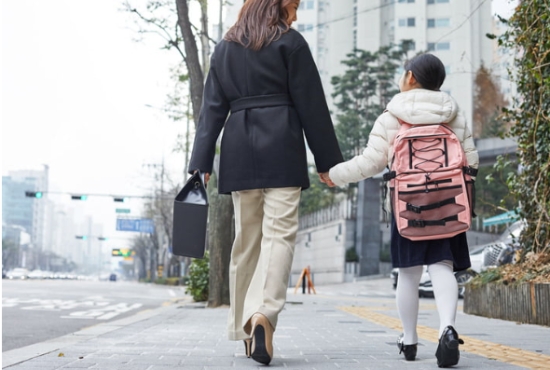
x=419, y=102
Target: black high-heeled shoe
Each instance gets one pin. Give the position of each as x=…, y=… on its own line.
x=447, y=352
x=247, y=346
x=409, y=350
x=262, y=339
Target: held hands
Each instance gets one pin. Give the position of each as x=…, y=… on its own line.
x=324, y=177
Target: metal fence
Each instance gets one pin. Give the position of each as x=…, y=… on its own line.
x=345, y=210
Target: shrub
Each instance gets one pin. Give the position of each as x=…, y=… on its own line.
x=351, y=255
x=197, y=284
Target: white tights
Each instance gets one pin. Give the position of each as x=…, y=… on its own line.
x=445, y=291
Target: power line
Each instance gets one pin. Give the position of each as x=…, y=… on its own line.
x=462, y=24
x=352, y=15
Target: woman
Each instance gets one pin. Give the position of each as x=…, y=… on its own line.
x=420, y=102
x=264, y=76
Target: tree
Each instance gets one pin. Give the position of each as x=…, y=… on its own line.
x=529, y=35
x=10, y=254
x=488, y=102
x=141, y=246
x=362, y=93
x=318, y=196
x=160, y=20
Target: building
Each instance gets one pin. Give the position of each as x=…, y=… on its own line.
x=19, y=210
x=454, y=30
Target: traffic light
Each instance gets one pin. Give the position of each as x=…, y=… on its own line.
x=81, y=237
x=120, y=199
x=79, y=197
x=33, y=194
x=101, y=238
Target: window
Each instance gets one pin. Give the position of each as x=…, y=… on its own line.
x=305, y=27
x=437, y=1
x=432, y=46
x=438, y=22
x=442, y=22
x=307, y=4
x=407, y=22
x=406, y=1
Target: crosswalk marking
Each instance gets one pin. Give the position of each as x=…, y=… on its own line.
x=94, y=310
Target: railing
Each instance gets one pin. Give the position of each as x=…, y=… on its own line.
x=339, y=211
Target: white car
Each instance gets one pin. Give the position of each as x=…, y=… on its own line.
x=18, y=273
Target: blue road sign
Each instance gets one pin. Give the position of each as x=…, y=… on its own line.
x=139, y=225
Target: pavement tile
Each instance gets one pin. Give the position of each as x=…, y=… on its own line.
x=336, y=329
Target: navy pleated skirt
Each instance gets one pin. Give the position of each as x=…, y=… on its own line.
x=408, y=253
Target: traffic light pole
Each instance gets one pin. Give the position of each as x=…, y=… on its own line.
x=81, y=196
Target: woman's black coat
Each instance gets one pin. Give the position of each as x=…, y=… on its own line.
x=275, y=96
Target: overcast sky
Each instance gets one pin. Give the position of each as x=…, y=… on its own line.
x=75, y=90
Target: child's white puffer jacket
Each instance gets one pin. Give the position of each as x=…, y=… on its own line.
x=417, y=106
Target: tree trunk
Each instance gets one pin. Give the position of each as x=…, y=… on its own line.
x=196, y=76
x=205, y=40
x=220, y=235
x=220, y=239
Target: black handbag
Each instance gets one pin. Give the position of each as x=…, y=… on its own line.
x=190, y=218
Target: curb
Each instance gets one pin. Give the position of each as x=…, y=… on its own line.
x=19, y=355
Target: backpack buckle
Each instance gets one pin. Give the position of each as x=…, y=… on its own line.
x=389, y=175
x=417, y=223
x=413, y=208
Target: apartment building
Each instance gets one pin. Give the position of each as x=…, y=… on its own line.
x=454, y=30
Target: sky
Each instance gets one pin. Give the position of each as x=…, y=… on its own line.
x=82, y=96
x=79, y=94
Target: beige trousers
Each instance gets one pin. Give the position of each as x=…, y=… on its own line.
x=266, y=223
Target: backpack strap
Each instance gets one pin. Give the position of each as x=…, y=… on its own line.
x=470, y=171
x=404, y=125
x=419, y=209
x=424, y=223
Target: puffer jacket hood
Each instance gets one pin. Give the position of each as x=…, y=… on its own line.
x=419, y=106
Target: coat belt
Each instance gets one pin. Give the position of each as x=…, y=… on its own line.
x=260, y=101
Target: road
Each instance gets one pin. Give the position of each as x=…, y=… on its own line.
x=37, y=310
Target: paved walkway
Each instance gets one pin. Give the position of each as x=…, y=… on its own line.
x=344, y=326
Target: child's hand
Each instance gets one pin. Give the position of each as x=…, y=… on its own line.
x=324, y=177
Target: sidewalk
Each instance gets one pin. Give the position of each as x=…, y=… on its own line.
x=341, y=327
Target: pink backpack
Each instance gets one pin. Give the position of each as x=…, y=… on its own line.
x=432, y=192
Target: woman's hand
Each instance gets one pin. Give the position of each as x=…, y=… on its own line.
x=206, y=177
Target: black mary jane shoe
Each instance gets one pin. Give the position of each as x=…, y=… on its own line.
x=409, y=350
x=447, y=353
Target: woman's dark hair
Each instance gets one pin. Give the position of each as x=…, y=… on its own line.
x=428, y=70
x=260, y=22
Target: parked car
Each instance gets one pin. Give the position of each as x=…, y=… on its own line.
x=503, y=251
x=497, y=253
x=18, y=273
x=425, y=287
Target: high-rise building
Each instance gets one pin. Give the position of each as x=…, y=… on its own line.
x=453, y=30
x=19, y=210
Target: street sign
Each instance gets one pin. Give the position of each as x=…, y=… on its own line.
x=140, y=225
x=123, y=210
x=120, y=252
